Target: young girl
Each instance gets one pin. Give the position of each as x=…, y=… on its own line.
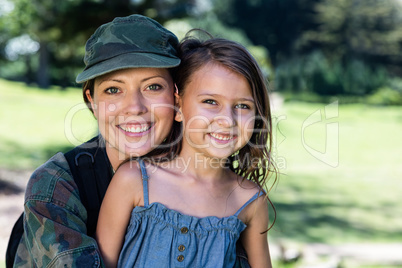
x=190, y=211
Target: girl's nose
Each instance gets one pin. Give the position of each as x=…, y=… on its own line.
x=225, y=119
x=135, y=103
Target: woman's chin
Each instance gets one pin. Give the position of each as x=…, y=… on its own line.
x=133, y=151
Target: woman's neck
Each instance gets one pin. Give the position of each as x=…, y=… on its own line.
x=115, y=157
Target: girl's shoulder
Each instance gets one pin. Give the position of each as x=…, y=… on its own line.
x=128, y=173
x=127, y=182
x=253, y=197
x=129, y=167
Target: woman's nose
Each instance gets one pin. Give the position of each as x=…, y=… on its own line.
x=135, y=103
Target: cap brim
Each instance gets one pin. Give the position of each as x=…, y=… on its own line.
x=124, y=61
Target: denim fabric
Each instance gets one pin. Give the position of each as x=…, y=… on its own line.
x=161, y=237
x=241, y=257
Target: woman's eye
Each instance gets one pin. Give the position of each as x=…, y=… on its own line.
x=112, y=90
x=209, y=102
x=154, y=87
x=242, y=106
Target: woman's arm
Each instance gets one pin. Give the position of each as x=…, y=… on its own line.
x=255, y=243
x=54, y=221
x=123, y=194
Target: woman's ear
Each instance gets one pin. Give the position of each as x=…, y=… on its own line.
x=178, y=103
x=91, y=101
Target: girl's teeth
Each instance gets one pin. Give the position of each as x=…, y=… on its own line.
x=220, y=137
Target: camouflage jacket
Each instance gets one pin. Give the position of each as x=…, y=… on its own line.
x=54, y=221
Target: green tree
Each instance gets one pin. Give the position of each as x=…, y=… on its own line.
x=275, y=24
x=61, y=28
x=367, y=30
x=358, y=41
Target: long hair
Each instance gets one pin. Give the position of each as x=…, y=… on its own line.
x=255, y=160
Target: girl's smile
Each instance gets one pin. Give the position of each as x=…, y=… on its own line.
x=217, y=110
x=222, y=138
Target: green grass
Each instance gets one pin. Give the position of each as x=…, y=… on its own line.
x=355, y=200
x=36, y=123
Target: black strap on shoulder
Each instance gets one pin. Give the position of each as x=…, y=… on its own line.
x=92, y=172
x=14, y=241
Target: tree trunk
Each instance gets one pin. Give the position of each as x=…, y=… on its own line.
x=43, y=70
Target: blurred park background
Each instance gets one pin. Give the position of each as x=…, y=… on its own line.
x=335, y=74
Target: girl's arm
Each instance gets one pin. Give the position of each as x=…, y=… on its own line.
x=255, y=243
x=123, y=194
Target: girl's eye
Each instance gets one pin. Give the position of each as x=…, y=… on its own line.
x=209, y=102
x=112, y=90
x=154, y=87
x=242, y=106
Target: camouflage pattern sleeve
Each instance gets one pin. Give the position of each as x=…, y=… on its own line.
x=54, y=221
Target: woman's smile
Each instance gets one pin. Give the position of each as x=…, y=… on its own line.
x=134, y=108
x=135, y=129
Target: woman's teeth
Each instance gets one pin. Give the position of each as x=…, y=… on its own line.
x=135, y=129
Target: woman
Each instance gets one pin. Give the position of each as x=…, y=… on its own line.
x=129, y=88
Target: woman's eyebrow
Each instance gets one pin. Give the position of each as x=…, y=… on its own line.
x=110, y=80
x=152, y=77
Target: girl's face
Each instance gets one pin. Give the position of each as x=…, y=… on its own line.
x=134, y=109
x=218, y=112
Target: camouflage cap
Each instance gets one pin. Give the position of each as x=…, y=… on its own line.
x=129, y=42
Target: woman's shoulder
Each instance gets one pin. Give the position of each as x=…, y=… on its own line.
x=46, y=178
x=53, y=168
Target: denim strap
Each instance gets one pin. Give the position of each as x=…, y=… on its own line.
x=144, y=182
x=249, y=201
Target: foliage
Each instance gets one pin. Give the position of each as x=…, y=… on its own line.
x=358, y=42
x=275, y=24
x=61, y=29
x=325, y=47
x=314, y=73
x=210, y=23
x=385, y=96
x=367, y=30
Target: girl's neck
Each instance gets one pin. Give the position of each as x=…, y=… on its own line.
x=200, y=166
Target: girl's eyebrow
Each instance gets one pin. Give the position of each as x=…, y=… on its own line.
x=218, y=95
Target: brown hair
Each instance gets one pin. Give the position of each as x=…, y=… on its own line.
x=254, y=161
x=90, y=84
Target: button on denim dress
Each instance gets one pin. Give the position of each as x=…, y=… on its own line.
x=162, y=237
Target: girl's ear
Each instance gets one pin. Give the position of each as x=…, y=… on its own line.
x=178, y=104
x=89, y=97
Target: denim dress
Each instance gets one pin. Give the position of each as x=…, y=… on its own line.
x=161, y=237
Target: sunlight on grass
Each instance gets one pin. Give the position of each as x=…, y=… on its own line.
x=356, y=200
x=37, y=123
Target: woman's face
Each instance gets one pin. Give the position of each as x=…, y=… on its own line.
x=134, y=109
